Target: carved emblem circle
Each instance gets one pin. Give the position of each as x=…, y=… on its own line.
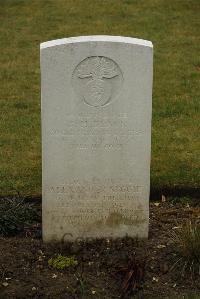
x=97, y=80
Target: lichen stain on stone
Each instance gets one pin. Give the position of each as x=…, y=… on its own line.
x=116, y=219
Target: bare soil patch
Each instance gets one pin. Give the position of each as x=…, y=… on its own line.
x=104, y=266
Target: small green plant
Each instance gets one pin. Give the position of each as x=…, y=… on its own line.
x=186, y=296
x=187, y=242
x=61, y=262
x=16, y=215
x=190, y=296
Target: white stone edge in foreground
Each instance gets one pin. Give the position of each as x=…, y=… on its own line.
x=96, y=38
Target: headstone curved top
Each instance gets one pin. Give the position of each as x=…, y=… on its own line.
x=96, y=136
x=96, y=38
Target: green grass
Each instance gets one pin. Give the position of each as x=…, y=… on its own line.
x=187, y=244
x=172, y=26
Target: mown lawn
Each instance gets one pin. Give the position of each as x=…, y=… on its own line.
x=174, y=28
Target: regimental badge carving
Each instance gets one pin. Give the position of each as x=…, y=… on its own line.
x=97, y=80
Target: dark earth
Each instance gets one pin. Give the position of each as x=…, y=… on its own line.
x=124, y=268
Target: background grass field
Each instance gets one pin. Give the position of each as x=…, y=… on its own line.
x=174, y=28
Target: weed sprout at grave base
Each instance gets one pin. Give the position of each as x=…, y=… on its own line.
x=61, y=262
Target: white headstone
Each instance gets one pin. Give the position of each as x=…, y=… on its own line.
x=96, y=136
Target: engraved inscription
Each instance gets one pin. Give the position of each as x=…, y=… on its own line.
x=97, y=80
x=112, y=197
x=113, y=133
x=96, y=204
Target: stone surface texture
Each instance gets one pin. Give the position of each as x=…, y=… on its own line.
x=96, y=137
